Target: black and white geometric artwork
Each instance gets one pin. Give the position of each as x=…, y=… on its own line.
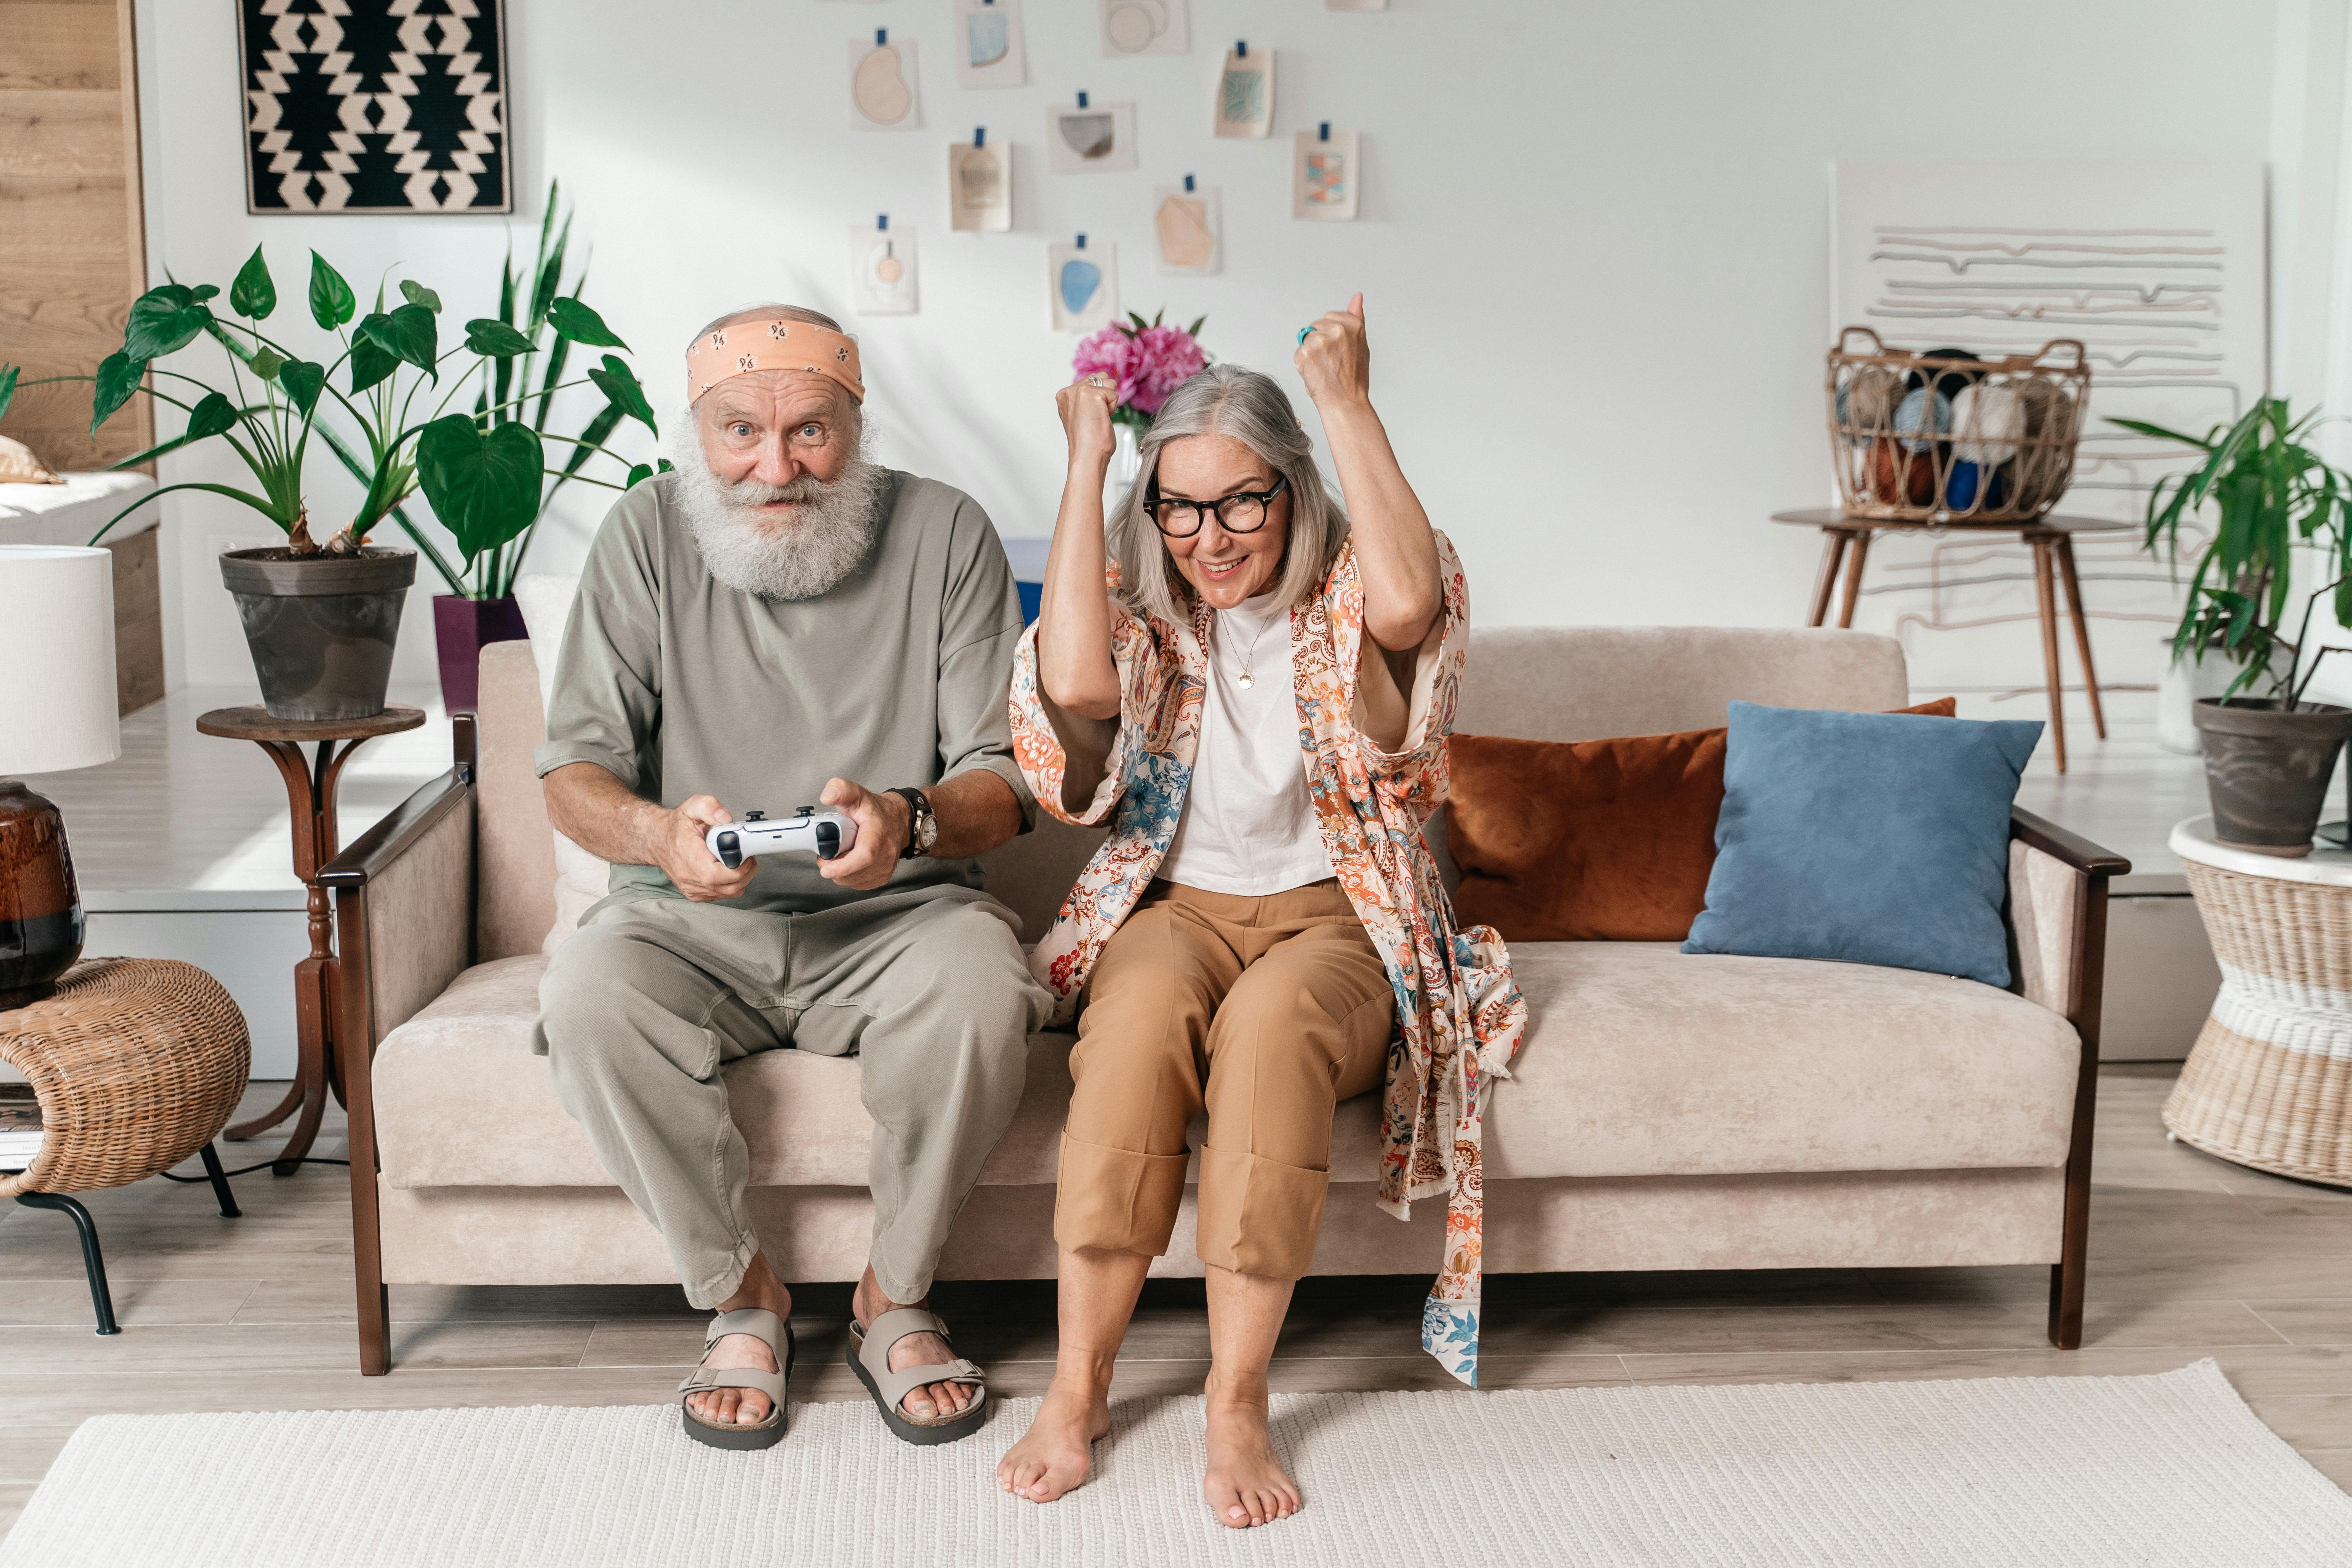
x=375, y=106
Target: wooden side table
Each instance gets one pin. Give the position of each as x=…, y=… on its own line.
x=2052, y=540
x=310, y=792
x=2269, y=1082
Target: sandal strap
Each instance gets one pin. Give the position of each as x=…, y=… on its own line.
x=762, y=1325
x=896, y=1386
x=886, y=1331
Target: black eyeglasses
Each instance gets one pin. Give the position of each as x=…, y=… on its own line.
x=1242, y=513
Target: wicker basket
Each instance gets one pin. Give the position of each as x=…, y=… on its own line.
x=1919, y=439
x=2269, y=1082
x=137, y=1063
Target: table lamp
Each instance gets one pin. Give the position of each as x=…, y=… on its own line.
x=57, y=711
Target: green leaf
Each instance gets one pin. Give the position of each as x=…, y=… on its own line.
x=165, y=319
x=617, y=382
x=484, y=489
x=331, y=299
x=303, y=381
x=119, y=376
x=406, y=332
x=495, y=339
x=582, y=325
x=418, y=294
x=370, y=363
x=8, y=375
x=267, y=363
x=212, y=414
x=638, y=475
x=1194, y=329
x=665, y=464
x=203, y=291
x=255, y=293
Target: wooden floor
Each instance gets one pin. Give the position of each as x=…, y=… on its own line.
x=2190, y=1258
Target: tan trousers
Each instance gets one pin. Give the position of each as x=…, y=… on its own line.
x=1267, y=1012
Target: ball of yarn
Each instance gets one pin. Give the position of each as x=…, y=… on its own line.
x=1948, y=381
x=1900, y=477
x=1986, y=421
x=2047, y=426
x=1924, y=417
x=1968, y=478
x=1867, y=401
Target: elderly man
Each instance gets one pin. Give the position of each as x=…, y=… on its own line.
x=781, y=623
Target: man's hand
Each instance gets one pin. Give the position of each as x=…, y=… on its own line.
x=883, y=822
x=682, y=850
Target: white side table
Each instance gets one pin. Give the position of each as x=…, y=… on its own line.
x=2269, y=1082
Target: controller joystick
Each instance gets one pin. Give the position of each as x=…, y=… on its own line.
x=828, y=834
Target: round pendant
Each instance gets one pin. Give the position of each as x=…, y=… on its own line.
x=1246, y=681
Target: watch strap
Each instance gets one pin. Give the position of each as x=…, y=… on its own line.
x=919, y=811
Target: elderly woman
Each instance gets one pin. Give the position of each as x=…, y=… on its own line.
x=1259, y=707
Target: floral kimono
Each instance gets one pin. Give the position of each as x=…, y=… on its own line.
x=1459, y=1016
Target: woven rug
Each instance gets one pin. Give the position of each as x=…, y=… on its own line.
x=2082, y=1471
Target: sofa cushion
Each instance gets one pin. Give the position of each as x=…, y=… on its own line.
x=1869, y=838
x=1639, y=1060
x=1589, y=840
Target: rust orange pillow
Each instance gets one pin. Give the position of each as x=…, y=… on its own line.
x=1590, y=840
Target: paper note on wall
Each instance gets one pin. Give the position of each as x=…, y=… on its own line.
x=1325, y=177
x=980, y=187
x=1145, y=28
x=1245, y=94
x=989, y=48
x=882, y=85
x=1101, y=137
x=1084, y=282
x=882, y=270
x=1188, y=230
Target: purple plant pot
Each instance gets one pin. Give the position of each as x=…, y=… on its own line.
x=460, y=629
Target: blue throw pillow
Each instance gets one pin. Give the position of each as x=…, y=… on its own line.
x=1871, y=838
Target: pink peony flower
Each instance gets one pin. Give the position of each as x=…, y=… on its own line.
x=1148, y=363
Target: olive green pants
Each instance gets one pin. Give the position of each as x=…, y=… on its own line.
x=644, y=1008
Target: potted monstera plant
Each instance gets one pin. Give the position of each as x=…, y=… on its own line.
x=322, y=618
x=2269, y=750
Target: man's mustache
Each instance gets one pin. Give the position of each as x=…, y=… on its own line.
x=752, y=492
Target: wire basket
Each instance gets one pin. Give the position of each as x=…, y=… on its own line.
x=1946, y=437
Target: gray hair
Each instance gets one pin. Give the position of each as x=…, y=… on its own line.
x=1226, y=400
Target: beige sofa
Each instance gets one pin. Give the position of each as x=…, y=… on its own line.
x=1666, y=1111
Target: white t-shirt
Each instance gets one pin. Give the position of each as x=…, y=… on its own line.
x=1248, y=825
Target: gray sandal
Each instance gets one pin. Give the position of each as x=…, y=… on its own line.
x=767, y=1327
x=869, y=1358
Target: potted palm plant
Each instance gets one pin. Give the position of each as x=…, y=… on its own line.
x=2269, y=750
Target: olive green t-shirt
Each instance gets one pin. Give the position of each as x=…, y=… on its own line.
x=678, y=685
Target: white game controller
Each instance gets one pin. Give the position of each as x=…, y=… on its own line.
x=828, y=833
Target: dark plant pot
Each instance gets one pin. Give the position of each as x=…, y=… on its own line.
x=460, y=629
x=320, y=627
x=2266, y=769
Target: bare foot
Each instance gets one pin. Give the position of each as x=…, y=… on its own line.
x=1058, y=1449
x=1245, y=1484
x=930, y=1399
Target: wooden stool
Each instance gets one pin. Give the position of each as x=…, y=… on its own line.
x=2052, y=540
x=310, y=793
x=137, y=1064
x=2268, y=1084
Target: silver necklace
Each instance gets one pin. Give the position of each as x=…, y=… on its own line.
x=1248, y=677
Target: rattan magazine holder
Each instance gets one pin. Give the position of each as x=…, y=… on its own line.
x=1946, y=438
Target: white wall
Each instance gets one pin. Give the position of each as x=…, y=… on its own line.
x=1593, y=247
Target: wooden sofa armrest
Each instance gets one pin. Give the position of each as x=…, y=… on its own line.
x=404, y=930
x=2058, y=924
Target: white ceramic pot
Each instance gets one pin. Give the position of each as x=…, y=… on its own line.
x=1125, y=467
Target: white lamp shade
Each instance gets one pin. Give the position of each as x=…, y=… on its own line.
x=56, y=659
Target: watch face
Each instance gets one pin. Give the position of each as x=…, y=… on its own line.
x=926, y=831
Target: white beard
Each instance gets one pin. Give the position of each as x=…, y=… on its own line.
x=828, y=537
